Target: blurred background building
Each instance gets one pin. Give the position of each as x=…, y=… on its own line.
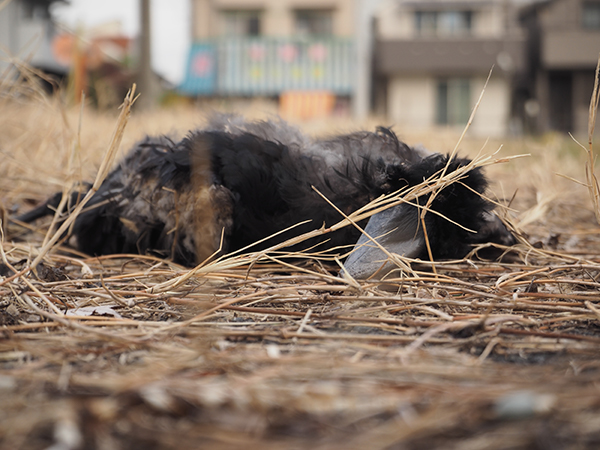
x=298, y=51
x=26, y=34
x=563, y=47
x=424, y=62
x=433, y=58
x=98, y=59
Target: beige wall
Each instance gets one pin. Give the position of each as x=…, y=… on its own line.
x=411, y=101
x=396, y=20
x=490, y=21
x=412, y=104
x=492, y=117
x=565, y=14
x=202, y=24
x=278, y=15
x=566, y=49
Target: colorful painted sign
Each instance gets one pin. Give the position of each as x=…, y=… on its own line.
x=267, y=66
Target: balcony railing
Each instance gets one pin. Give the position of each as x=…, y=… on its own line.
x=269, y=66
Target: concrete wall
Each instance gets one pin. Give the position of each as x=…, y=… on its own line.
x=411, y=101
x=569, y=50
x=564, y=14
x=28, y=39
x=583, y=84
x=412, y=104
x=396, y=18
x=277, y=18
x=493, y=116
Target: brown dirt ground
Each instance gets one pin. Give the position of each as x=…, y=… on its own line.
x=126, y=352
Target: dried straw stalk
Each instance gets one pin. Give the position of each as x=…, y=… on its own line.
x=105, y=168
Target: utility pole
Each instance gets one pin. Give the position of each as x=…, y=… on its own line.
x=145, y=74
x=364, y=43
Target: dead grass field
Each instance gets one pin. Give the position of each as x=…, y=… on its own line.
x=126, y=352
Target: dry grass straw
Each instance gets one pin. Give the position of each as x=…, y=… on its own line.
x=267, y=350
x=105, y=168
x=590, y=165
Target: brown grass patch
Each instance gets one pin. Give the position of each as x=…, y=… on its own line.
x=133, y=352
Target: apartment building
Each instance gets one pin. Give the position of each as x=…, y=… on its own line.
x=432, y=59
x=272, y=48
x=564, y=47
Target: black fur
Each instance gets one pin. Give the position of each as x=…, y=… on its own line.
x=100, y=229
x=267, y=186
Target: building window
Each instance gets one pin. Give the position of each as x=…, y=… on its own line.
x=453, y=101
x=443, y=23
x=35, y=10
x=591, y=15
x=314, y=22
x=241, y=23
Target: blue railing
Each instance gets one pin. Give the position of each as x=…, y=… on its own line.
x=269, y=66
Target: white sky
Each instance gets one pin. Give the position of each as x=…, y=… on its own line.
x=170, y=27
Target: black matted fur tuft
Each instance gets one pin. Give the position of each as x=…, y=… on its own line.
x=459, y=202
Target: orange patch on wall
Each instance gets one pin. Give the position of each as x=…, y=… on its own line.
x=304, y=105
